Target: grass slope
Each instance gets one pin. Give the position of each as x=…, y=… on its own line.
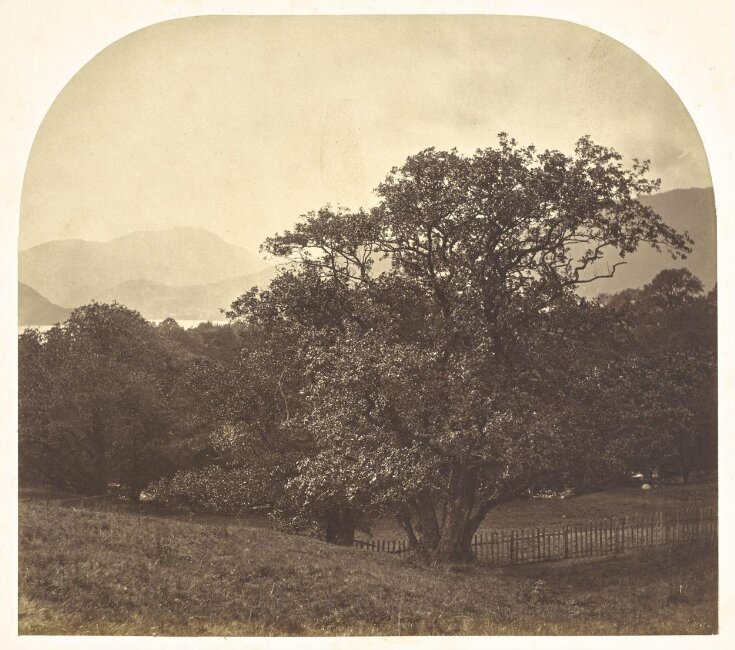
x=83, y=571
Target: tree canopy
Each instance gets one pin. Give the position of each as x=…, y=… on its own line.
x=433, y=384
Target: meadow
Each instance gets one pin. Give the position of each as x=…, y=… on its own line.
x=94, y=570
x=610, y=503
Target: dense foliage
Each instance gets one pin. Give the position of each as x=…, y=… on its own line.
x=104, y=400
x=92, y=400
x=427, y=359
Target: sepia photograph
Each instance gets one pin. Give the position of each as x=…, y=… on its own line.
x=369, y=325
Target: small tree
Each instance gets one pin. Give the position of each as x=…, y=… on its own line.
x=92, y=400
x=673, y=288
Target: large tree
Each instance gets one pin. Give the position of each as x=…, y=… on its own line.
x=434, y=388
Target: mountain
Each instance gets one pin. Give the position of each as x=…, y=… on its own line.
x=191, y=302
x=74, y=271
x=691, y=210
x=34, y=309
x=190, y=273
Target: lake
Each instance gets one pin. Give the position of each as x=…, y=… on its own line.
x=186, y=324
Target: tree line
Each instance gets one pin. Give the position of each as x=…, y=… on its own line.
x=426, y=359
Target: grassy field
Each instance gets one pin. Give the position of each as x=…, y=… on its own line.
x=520, y=513
x=86, y=571
x=617, y=502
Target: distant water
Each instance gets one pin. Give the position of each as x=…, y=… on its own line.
x=42, y=328
x=186, y=324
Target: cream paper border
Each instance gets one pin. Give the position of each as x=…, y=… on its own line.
x=45, y=42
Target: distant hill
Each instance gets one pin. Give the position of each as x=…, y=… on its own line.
x=691, y=210
x=190, y=273
x=34, y=309
x=191, y=302
x=73, y=272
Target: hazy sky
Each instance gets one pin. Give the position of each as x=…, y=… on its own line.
x=241, y=124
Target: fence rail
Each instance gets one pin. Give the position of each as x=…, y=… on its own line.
x=595, y=538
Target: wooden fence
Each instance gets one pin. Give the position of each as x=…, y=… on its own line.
x=592, y=539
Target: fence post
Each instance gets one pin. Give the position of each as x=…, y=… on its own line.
x=661, y=528
x=512, y=546
x=545, y=544
x=595, y=544
x=566, y=541
x=538, y=544
x=588, y=533
x=622, y=536
x=613, y=537
x=653, y=530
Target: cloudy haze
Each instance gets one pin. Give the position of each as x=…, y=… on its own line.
x=241, y=124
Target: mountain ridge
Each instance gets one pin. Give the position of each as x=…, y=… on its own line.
x=73, y=272
x=131, y=234
x=190, y=273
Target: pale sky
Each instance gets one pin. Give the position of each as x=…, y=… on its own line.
x=241, y=124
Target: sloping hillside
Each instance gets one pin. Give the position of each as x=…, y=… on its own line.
x=691, y=210
x=34, y=309
x=88, y=572
x=193, y=302
x=73, y=272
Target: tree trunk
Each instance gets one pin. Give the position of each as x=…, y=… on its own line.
x=418, y=519
x=459, y=526
x=101, y=467
x=455, y=544
x=451, y=539
x=340, y=527
x=425, y=525
x=449, y=542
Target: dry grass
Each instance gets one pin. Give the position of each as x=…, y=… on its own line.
x=90, y=572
